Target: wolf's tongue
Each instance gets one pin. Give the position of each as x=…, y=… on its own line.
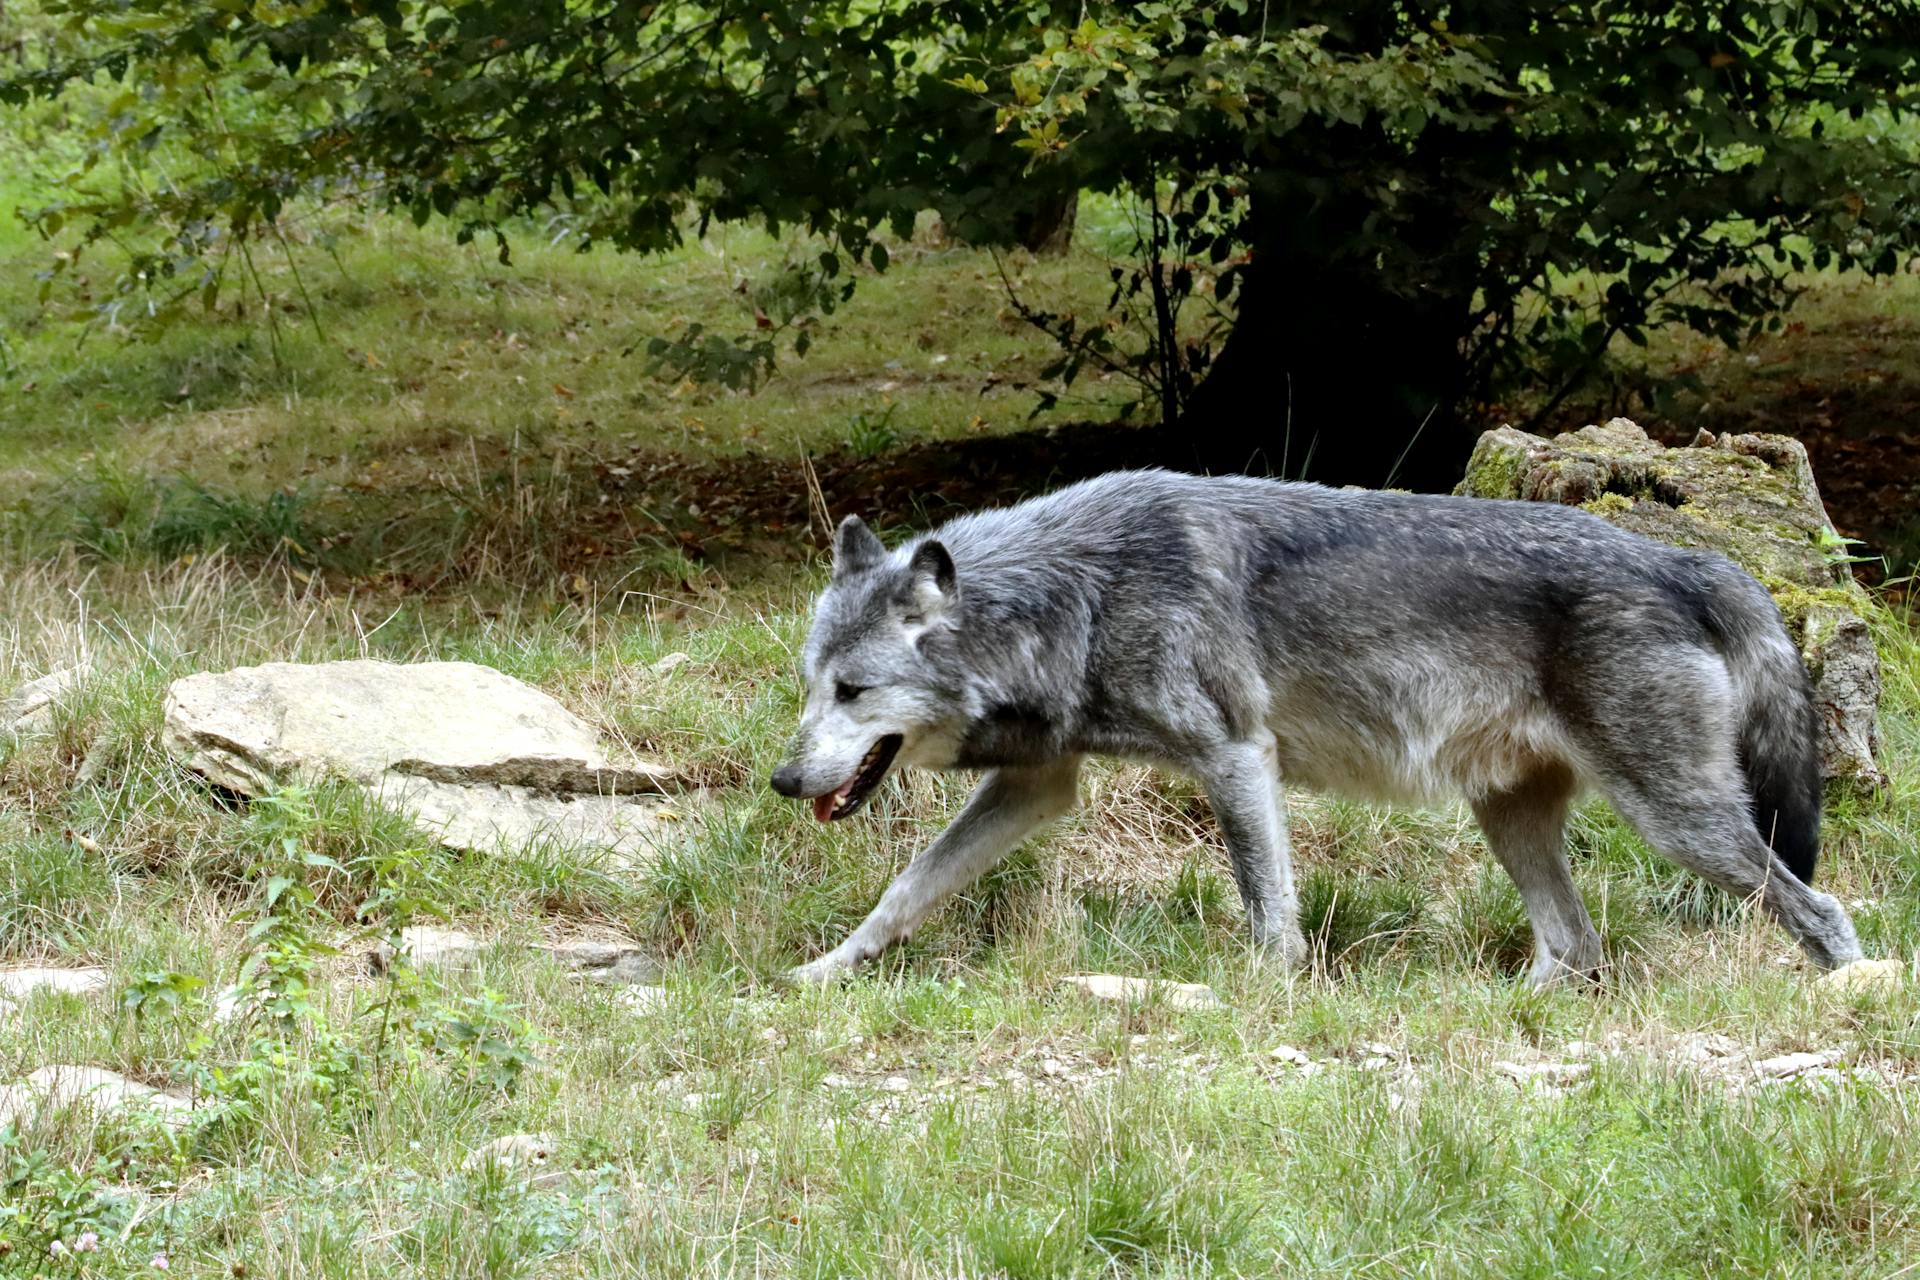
x=823, y=806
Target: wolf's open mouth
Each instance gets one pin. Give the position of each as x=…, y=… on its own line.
x=854, y=791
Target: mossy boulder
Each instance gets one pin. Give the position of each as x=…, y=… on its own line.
x=1751, y=498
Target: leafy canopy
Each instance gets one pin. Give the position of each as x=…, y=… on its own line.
x=1474, y=164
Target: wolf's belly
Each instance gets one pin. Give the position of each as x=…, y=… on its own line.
x=1418, y=755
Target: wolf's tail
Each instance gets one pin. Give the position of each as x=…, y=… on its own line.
x=1779, y=725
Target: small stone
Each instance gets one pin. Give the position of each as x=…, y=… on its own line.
x=520, y=1151
x=896, y=1084
x=1558, y=1075
x=1788, y=1065
x=642, y=999
x=670, y=664
x=30, y=707
x=1176, y=995
x=834, y=1080
x=1288, y=1054
x=611, y=962
x=1866, y=977
x=1705, y=1046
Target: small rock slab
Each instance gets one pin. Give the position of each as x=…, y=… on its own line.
x=30, y=707
x=479, y=759
x=1753, y=499
x=1291, y=1056
x=525, y=1154
x=1552, y=1075
x=610, y=962
x=18, y=984
x=426, y=946
x=1788, y=1065
x=1175, y=995
x=1866, y=977
x=59, y=1087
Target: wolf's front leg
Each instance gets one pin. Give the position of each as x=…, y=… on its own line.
x=1243, y=782
x=1006, y=807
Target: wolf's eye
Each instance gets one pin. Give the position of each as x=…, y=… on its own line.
x=844, y=692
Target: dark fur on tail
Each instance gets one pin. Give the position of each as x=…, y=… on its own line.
x=1782, y=762
x=1779, y=726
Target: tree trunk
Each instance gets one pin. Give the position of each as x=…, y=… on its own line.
x=1046, y=226
x=1328, y=375
x=1325, y=379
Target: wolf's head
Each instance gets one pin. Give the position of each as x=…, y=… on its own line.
x=875, y=689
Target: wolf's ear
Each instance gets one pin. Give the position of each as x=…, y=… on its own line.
x=855, y=547
x=931, y=582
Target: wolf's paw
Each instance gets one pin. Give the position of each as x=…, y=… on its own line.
x=1282, y=945
x=818, y=973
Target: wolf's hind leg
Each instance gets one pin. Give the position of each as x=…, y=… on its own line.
x=1525, y=826
x=1709, y=830
x=1008, y=806
x=1243, y=782
x=1665, y=754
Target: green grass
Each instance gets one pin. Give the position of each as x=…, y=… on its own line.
x=438, y=410
x=746, y=1127
x=746, y=1124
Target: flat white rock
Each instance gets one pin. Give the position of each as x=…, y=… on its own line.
x=1788, y=1065
x=59, y=1087
x=1177, y=995
x=18, y=984
x=611, y=962
x=478, y=759
x=1556, y=1075
x=1878, y=977
x=429, y=946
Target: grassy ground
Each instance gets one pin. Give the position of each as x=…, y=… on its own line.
x=415, y=484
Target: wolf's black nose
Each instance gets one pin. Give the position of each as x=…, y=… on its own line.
x=786, y=780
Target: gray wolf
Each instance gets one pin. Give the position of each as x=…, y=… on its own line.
x=1379, y=645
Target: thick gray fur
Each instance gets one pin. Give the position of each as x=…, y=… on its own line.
x=1376, y=645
